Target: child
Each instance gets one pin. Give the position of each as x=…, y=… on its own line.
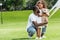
x=43, y=15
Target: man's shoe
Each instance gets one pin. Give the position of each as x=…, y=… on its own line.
x=43, y=36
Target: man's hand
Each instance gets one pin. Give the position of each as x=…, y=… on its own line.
x=45, y=22
x=40, y=24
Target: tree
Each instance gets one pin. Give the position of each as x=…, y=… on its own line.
x=30, y=4
x=23, y=4
x=12, y=4
x=50, y=3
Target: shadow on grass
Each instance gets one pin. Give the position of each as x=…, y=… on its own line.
x=24, y=39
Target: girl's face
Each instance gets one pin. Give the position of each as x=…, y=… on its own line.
x=40, y=5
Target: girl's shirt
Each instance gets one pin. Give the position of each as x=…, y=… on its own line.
x=44, y=10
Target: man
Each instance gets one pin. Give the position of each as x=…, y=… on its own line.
x=32, y=22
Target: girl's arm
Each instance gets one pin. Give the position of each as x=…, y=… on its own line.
x=46, y=11
x=40, y=24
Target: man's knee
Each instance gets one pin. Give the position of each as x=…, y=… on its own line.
x=31, y=30
x=44, y=30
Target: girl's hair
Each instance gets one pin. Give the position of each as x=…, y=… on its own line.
x=42, y=2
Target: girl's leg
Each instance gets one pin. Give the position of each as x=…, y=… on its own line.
x=38, y=32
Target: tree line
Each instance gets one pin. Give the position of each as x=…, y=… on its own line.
x=23, y=4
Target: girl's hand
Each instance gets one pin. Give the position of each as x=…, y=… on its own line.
x=40, y=15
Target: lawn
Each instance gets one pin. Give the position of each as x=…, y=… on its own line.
x=15, y=22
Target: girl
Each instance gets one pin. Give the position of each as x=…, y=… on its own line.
x=43, y=15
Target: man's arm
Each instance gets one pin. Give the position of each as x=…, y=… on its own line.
x=40, y=24
x=47, y=15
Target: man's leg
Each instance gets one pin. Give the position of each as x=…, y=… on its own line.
x=31, y=31
x=43, y=31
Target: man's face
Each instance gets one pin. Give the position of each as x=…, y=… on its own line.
x=37, y=12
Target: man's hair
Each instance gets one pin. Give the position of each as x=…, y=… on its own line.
x=36, y=8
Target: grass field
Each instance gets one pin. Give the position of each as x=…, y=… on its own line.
x=14, y=26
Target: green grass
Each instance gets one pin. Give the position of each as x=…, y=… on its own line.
x=15, y=22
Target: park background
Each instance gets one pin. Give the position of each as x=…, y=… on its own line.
x=15, y=16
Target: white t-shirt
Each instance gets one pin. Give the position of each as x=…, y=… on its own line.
x=39, y=20
x=32, y=17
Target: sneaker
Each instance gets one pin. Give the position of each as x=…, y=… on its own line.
x=43, y=36
x=38, y=38
x=29, y=37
